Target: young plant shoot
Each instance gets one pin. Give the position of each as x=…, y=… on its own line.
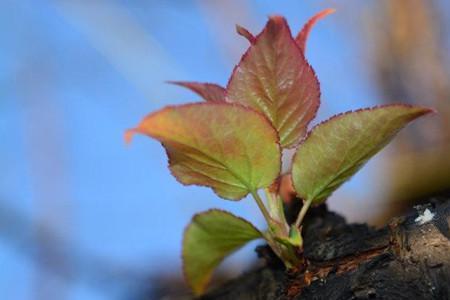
x=233, y=143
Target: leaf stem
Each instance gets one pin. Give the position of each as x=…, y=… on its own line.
x=275, y=206
x=302, y=212
x=262, y=207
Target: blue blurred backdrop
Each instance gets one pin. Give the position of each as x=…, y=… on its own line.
x=84, y=216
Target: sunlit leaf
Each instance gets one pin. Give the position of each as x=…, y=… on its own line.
x=208, y=91
x=209, y=238
x=230, y=148
x=245, y=33
x=339, y=147
x=274, y=78
x=302, y=36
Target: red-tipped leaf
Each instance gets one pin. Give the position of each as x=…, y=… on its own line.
x=230, y=148
x=302, y=36
x=245, y=33
x=208, y=91
x=274, y=78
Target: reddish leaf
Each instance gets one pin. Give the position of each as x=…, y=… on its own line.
x=230, y=148
x=274, y=78
x=245, y=33
x=208, y=91
x=303, y=34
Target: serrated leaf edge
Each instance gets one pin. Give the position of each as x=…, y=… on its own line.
x=308, y=65
x=340, y=115
x=131, y=132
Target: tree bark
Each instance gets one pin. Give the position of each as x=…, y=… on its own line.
x=407, y=259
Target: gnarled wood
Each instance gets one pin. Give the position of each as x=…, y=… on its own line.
x=407, y=259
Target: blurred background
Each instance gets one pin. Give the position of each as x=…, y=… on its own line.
x=83, y=216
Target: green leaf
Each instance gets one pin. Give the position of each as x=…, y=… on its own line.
x=209, y=238
x=230, y=148
x=302, y=36
x=208, y=91
x=339, y=147
x=293, y=239
x=295, y=236
x=274, y=78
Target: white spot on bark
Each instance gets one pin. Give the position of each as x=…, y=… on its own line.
x=425, y=217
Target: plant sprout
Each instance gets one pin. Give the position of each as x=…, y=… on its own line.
x=233, y=143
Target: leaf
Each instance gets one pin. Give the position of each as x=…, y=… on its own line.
x=208, y=91
x=245, y=33
x=230, y=148
x=274, y=78
x=339, y=147
x=209, y=238
x=295, y=236
x=302, y=36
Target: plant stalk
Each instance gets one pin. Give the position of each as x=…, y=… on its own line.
x=302, y=213
x=262, y=207
x=276, y=208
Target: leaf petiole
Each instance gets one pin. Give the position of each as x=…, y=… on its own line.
x=302, y=213
x=276, y=208
x=262, y=207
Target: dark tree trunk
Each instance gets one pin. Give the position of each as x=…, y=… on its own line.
x=407, y=259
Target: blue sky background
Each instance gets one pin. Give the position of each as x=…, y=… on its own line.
x=76, y=74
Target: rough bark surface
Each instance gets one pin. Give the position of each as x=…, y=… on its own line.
x=407, y=259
